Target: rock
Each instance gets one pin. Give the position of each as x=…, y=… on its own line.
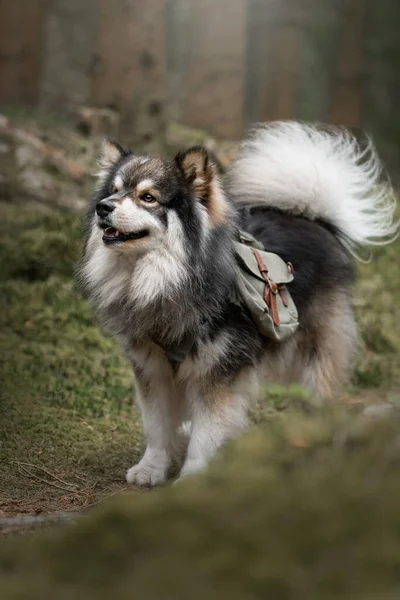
x=379, y=410
x=4, y=148
x=40, y=167
x=27, y=156
x=4, y=122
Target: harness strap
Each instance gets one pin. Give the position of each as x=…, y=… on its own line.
x=178, y=351
x=271, y=288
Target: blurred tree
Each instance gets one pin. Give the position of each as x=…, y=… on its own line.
x=21, y=39
x=288, y=24
x=382, y=80
x=129, y=66
x=214, y=91
x=69, y=33
x=348, y=80
x=214, y=64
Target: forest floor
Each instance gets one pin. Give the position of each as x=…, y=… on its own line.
x=68, y=426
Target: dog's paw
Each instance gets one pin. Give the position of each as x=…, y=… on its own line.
x=146, y=475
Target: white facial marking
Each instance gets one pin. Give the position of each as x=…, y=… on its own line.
x=128, y=217
x=144, y=185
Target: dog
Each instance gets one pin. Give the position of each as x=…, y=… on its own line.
x=159, y=267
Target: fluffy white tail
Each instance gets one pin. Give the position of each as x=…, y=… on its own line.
x=317, y=173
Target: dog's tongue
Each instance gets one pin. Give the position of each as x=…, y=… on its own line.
x=110, y=232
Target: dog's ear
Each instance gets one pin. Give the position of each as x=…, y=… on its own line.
x=200, y=174
x=111, y=152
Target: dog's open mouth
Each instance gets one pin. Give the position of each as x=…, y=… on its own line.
x=111, y=235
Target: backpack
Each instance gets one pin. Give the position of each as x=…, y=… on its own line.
x=261, y=287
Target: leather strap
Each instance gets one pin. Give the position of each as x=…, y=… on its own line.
x=271, y=288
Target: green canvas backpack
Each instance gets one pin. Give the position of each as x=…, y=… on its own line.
x=261, y=285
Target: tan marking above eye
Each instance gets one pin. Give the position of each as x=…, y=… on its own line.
x=147, y=193
x=144, y=186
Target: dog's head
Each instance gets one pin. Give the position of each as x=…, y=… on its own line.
x=144, y=200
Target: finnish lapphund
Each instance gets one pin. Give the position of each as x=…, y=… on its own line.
x=159, y=266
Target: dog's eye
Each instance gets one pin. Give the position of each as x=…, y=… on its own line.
x=147, y=198
x=114, y=189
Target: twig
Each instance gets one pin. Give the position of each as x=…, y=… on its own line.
x=45, y=471
x=24, y=471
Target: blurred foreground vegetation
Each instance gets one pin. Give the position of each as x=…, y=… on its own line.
x=302, y=508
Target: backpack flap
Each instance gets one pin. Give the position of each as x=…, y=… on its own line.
x=278, y=270
x=261, y=282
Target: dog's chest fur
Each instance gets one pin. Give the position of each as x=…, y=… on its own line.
x=137, y=299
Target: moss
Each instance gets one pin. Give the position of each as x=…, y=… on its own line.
x=67, y=393
x=378, y=314
x=38, y=242
x=299, y=508
x=282, y=397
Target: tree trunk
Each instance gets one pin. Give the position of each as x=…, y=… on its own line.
x=68, y=52
x=285, y=44
x=258, y=33
x=129, y=66
x=216, y=64
x=178, y=43
x=347, y=93
x=21, y=34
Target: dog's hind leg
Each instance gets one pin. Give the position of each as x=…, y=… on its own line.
x=218, y=413
x=327, y=350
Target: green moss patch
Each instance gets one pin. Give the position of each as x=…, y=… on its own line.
x=377, y=302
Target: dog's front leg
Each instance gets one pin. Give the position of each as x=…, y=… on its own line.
x=160, y=410
x=218, y=414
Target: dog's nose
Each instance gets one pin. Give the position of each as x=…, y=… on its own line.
x=104, y=207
